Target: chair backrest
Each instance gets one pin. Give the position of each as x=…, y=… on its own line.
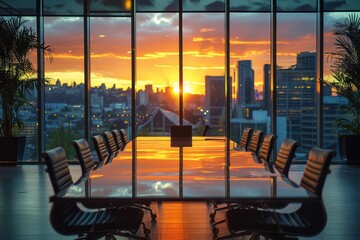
x=58, y=169
x=267, y=147
x=285, y=155
x=117, y=138
x=101, y=149
x=84, y=155
x=255, y=141
x=207, y=129
x=316, y=170
x=124, y=137
x=110, y=143
x=66, y=218
x=245, y=138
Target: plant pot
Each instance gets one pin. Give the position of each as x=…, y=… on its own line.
x=11, y=150
x=349, y=146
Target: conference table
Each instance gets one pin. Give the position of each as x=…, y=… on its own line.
x=204, y=169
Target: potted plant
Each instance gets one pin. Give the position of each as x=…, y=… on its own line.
x=17, y=78
x=346, y=81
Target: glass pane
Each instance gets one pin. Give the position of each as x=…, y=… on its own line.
x=63, y=8
x=188, y=6
x=110, y=74
x=19, y=7
x=250, y=6
x=28, y=114
x=157, y=107
x=204, y=6
x=296, y=5
x=296, y=80
x=204, y=80
x=64, y=95
x=333, y=102
x=110, y=46
x=344, y=5
x=157, y=6
x=250, y=68
x=157, y=73
x=119, y=6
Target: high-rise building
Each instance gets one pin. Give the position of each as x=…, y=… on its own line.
x=246, y=94
x=332, y=110
x=215, y=99
x=149, y=89
x=296, y=99
x=148, y=93
x=58, y=83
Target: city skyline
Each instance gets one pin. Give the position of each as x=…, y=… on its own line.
x=157, y=47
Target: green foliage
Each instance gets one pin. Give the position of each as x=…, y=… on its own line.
x=17, y=72
x=346, y=72
x=62, y=137
x=144, y=131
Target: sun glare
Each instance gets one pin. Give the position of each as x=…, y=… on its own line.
x=187, y=88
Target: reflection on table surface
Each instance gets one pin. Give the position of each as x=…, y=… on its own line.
x=204, y=173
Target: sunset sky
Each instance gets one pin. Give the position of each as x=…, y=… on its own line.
x=157, y=46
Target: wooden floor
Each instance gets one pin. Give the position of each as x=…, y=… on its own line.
x=24, y=207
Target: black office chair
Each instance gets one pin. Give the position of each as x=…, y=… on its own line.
x=267, y=147
x=124, y=138
x=255, y=141
x=285, y=155
x=68, y=219
x=118, y=141
x=309, y=220
x=101, y=149
x=245, y=138
x=100, y=146
x=282, y=163
x=110, y=144
x=84, y=155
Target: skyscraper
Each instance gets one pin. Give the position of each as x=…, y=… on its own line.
x=296, y=99
x=215, y=99
x=246, y=77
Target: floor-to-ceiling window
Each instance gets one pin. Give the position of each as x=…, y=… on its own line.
x=296, y=75
x=110, y=57
x=157, y=92
x=333, y=102
x=28, y=114
x=250, y=69
x=64, y=94
x=158, y=68
x=157, y=75
x=203, y=67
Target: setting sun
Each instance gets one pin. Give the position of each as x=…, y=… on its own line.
x=187, y=88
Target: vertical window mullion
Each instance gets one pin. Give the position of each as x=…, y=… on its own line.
x=319, y=73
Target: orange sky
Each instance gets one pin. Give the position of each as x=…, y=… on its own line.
x=157, y=47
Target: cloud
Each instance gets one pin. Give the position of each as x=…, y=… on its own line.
x=201, y=39
x=238, y=42
x=68, y=56
x=157, y=55
x=203, y=30
x=334, y=5
x=173, y=6
x=218, y=6
x=146, y=3
x=204, y=67
x=252, y=6
x=247, y=54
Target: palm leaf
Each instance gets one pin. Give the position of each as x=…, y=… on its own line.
x=17, y=42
